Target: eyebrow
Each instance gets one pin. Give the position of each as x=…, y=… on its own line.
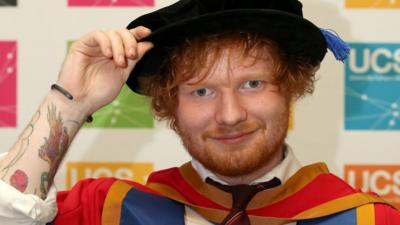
x=241, y=77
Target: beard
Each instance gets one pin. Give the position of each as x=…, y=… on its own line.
x=248, y=156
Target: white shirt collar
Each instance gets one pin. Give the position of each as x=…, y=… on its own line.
x=283, y=171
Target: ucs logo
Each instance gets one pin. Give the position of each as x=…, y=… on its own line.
x=372, y=83
x=383, y=180
x=374, y=59
x=132, y=171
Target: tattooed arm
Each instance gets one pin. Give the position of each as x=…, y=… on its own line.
x=32, y=162
x=94, y=71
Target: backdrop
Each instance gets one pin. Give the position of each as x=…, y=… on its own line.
x=351, y=121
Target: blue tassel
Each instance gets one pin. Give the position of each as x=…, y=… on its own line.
x=336, y=45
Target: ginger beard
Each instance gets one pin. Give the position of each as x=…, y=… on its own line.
x=240, y=159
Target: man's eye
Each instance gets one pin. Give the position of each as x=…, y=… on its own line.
x=252, y=84
x=202, y=92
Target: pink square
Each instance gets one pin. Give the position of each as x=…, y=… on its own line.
x=8, y=83
x=110, y=3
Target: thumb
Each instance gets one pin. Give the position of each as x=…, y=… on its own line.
x=143, y=47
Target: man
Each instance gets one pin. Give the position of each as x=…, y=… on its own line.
x=223, y=73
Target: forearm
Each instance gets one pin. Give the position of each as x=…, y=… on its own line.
x=33, y=160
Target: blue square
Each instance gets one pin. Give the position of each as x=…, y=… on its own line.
x=372, y=87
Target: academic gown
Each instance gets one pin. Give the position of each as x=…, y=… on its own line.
x=312, y=196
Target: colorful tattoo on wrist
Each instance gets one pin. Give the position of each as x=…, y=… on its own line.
x=54, y=148
x=19, y=180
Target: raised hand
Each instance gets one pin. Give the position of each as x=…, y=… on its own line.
x=98, y=65
x=94, y=71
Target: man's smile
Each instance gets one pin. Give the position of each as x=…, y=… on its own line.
x=233, y=138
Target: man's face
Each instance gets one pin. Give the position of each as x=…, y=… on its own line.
x=235, y=120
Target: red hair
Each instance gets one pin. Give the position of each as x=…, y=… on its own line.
x=294, y=75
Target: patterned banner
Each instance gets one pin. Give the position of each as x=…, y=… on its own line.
x=107, y=3
x=383, y=180
x=372, y=87
x=8, y=83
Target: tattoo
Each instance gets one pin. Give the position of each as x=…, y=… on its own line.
x=44, y=184
x=19, y=180
x=54, y=148
x=76, y=123
x=22, y=144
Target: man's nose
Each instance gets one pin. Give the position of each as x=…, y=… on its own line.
x=230, y=110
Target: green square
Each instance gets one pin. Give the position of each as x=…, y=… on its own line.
x=69, y=43
x=128, y=110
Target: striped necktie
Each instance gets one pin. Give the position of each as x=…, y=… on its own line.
x=241, y=196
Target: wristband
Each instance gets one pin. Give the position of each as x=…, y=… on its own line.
x=69, y=96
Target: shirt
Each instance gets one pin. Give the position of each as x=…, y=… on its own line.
x=17, y=208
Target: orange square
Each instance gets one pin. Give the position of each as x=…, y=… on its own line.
x=131, y=171
x=372, y=4
x=383, y=180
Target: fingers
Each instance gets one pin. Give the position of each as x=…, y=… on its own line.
x=140, y=32
x=131, y=38
x=98, y=39
x=120, y=45
x=127, y=46
x=142, y=48
x=130, y=43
